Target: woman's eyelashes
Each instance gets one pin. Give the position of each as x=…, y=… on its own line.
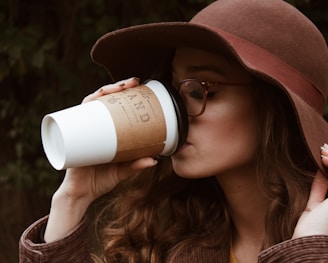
x=212, y=94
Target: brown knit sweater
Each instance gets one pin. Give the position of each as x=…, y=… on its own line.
x=74, y=249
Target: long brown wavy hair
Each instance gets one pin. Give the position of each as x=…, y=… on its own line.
x=154, y=216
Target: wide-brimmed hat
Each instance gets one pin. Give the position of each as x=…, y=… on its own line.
x=270, y=38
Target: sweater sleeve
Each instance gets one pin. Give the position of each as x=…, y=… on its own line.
x=310, y=249
x=72, y=248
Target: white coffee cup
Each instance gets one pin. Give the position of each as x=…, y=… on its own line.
x=147, y=120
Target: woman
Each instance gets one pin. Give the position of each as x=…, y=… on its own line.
x=247, y=185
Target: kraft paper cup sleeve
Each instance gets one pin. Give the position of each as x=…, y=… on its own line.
x=139, y=120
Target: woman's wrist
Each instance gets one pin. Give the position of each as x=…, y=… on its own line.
x=65, y=214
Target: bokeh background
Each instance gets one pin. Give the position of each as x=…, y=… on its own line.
x=45, y=66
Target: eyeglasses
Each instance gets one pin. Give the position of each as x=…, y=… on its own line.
x=194, y=93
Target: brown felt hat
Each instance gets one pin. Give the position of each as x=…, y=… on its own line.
x=270, y=38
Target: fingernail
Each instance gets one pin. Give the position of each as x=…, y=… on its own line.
x=134, y=78
x=324, y=147
x=99, y=90
x=324, y=150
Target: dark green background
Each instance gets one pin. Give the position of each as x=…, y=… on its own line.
x=45, y=66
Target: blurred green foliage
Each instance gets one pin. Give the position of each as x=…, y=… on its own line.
x=45, y=66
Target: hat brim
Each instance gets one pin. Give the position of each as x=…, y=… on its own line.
x=137, y=51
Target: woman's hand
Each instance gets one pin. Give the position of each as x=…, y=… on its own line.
x=314, y=220
x=83, y=185
x=88, y=183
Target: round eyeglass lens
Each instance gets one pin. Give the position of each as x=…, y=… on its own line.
x=193, y=95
